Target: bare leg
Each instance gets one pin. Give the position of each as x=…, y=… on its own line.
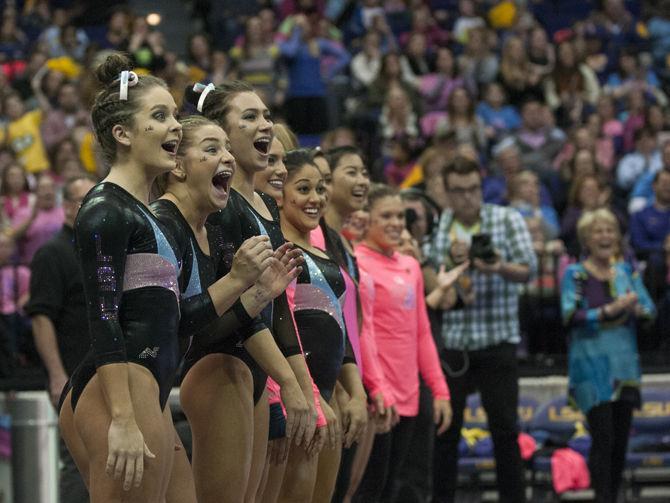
x=264, y=478
x=260, y=446
x=181, y=487
x=72, y=439
x=329, y=465
x=300, y=477
x=273, y=483
x=92, y=420
x=169, y=445
x=217, y=398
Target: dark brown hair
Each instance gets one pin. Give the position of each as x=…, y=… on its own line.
x=459, y=166
x=4, y=188
x=335, y=155
x=71, y=181
x=294, y=160
x=217, y=102
x=108, y=110
x=576, y=188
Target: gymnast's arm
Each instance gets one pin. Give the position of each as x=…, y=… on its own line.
x=102, y=233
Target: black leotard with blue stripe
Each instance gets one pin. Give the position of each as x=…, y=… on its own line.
x=199, y=272
x=318, y=300
x=130, y=272
x=237, y=223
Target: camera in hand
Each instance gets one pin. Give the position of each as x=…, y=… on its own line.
x=482, y=248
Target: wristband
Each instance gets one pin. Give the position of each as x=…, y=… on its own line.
x=241, y=313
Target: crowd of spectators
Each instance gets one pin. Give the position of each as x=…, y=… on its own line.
x=564, y=105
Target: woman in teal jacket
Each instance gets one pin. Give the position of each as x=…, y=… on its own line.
x=601, y=297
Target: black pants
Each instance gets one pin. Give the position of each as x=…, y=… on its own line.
x=416, y=476
x=609, y=424
x=71, y=485
x=381, y=480
x=493, y=371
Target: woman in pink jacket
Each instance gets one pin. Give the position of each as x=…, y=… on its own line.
x=403, y=339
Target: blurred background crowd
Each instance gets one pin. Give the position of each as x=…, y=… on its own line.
x=563, y=103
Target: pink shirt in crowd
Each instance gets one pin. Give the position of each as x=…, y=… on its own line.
x=46, y=224
x=14, y=284
x=401, y=327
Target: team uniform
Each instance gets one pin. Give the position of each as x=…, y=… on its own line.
x=130, y=272
x=199, y=271
x=238, y=221
x=318, y=298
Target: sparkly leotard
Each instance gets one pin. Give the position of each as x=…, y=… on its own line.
x=199, y=272
x=318, y=297
x=130, y=273
x=237, y=223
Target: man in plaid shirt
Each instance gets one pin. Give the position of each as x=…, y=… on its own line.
x=481, y=332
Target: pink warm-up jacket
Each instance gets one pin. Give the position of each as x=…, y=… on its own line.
x=401, y=328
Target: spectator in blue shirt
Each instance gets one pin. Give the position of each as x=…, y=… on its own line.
x=524, y=195
x=649, y=226
x=508, y=163
x=499, y=117
x=642, y=194
x=631, y=75
x=306, y=108
x=645, y=159
x=659, y=34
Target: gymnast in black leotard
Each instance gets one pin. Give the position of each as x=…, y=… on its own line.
x=131, y=265
x=130, y=278
x=130, y=283
x=197, y=187
x=228, y=333
x=245, y=118
x=318, y=298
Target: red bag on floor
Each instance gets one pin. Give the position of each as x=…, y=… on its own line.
x=569, y=471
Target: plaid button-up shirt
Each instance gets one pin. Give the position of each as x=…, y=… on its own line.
x=493, y=318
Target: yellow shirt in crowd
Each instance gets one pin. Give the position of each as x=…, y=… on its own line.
x=24, y=137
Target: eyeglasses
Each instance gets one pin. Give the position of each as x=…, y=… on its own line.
x=461, y=191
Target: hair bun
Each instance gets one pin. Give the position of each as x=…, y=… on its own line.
x=191, y=96
x=113, y=65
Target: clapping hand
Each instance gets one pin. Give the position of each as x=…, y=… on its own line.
x=447, y=279
x=284, y=268
x=252, y=259
x=622, y=304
